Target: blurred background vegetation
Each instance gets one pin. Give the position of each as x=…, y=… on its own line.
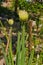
x=9, y=9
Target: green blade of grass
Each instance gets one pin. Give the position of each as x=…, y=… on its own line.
x=5, y=56
x=31, y=57
x=18, y=50
x=10, y=48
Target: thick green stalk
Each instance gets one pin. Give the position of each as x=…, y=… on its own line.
x=23, y=46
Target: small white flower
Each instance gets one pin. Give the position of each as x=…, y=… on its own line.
x=33, y=47
x=41, y=18
x=35, y=30
x=36, y=63
x=4, y=4
x=33, y=23
x=40, y=25
x=37, y=56
x=14, y=58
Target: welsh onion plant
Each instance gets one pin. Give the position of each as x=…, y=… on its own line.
x=20, y=55
x=20, y=50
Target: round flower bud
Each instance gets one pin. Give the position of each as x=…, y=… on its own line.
x=11, y=21
x=23, y=15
